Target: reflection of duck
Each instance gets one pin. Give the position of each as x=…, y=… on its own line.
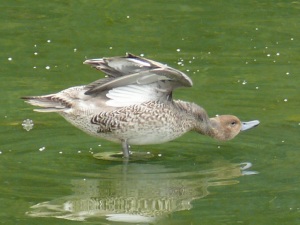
x=141, y=193
x=134, y=105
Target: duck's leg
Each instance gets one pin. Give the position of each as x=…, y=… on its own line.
x=125, y=149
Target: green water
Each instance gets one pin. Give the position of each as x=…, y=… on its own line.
x=243, y=57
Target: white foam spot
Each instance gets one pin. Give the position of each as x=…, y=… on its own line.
x=27, y=124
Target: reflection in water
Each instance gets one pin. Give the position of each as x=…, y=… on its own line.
x=137, y=192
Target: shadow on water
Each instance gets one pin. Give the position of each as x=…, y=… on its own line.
x=137, y=192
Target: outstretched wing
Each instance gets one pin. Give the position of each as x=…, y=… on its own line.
x=132, y=80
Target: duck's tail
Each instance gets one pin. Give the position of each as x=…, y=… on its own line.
x=48, y=103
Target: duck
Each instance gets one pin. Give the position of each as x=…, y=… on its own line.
x=133, y=105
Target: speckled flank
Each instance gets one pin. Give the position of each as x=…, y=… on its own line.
x=147, y=123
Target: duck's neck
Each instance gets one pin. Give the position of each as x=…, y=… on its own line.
x=217, y=131
x=202, y=123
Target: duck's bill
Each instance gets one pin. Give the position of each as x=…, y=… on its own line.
x=93, y=62
x=249, y=125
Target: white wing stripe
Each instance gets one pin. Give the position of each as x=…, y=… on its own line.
x=132, y=94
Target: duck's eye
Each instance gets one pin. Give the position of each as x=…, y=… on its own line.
x=233, y=123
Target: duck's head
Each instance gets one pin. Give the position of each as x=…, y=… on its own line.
x=226, y=127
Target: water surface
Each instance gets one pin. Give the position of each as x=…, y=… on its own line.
x=244, y=60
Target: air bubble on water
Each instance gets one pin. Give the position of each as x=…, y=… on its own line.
x=27, y=124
